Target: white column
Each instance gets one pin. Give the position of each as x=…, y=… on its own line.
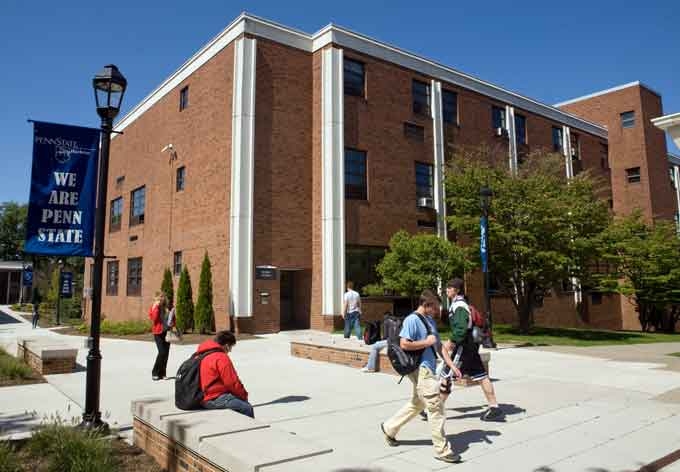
x=676, y=178
x=512, y=138
x=438, y=133
x=332, y=182
x=566, y=151
x=242, y=178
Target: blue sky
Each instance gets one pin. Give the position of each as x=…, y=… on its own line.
x=550, y=51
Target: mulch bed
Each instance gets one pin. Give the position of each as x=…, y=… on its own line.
x=35, y=379
x=187, y=338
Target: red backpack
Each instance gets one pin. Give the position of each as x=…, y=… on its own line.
x=477, y=317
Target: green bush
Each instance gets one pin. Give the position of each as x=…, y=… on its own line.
x=167, y=288
x=8, y=458
x=22, y=307
x=123, y=328
x=204, y=314
x=68, y=449
x=12, y=368
x=184, y=310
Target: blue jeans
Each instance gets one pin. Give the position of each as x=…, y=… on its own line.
x=227, y=401
x=352, y=319
x=373, y=356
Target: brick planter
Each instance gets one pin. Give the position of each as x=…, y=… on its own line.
x=47, y=359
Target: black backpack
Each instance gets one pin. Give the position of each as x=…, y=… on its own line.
x=188, y=392
x=391, y=326
x=405, y=362
x=372, y=332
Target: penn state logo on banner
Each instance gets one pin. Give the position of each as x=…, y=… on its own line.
x=61, y=206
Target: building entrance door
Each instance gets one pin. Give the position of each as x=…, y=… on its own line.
x=286, y=304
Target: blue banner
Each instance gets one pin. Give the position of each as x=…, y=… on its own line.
x=66, y=285
x=483, y=250
x=61, y=207
x=28, y=276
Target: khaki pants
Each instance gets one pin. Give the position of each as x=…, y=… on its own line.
x=425, y=395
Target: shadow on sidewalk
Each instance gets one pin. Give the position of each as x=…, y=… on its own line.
x=286, y=399
x=476, y=411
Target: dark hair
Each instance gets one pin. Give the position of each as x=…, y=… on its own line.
x=458, y=284
x=350, y=284
x=225, y=338
x=429, y=298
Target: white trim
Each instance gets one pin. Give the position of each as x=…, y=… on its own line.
x=242, y=179
x=332, y=34
x=666, y=121
x=512, y=141
x=566, y=151
x=332, y=182
x=438, y=135
x=673, y=159
x=676, y=177
x=606, y=91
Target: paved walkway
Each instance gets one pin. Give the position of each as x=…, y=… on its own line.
x=565, y=412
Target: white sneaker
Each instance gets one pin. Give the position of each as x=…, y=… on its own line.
x=367, y=370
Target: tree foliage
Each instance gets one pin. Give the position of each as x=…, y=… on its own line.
x=12, y=230
x=204, y=314
x=642, y=264
x=184, y=310
x=167, y=288
x=415, y=263
x=541, y=226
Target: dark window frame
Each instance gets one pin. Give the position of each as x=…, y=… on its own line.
x=421, y=97
x=112, y=277
x=180, y=178
x=352, y=77
x=136, y=217
x=498, y=118
x=450, y=107
x=184, y=98
x=558, y=138
x=521, y=138
x=633, y=175
x=414, y=131
x=116, y=217
x=423, y=171
x=575, y=147
x=352, y=169
x=628, y=119
x=360, y=264
x=134, y=276
x=177, y=263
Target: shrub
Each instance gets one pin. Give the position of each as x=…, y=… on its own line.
x=65, y=448
x=12, y=368
x=204, y=314
x=120, y=328
x=22, y=307
x=184, y=310
x=167, y=288
x=8, y=458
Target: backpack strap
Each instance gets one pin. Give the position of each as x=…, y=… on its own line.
x=202, y=356
x=429, y=331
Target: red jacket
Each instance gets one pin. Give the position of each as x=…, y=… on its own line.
x=218, y=375
x=156, y=319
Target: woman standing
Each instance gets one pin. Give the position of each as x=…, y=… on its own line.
x=158, y=328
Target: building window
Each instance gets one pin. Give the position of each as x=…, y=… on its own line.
x=116, y=214
x=671, y=172
x=112, y=278
x=429, y=227
x=120, y=180
x=557, y=139
x=354, y=78
x=424, y=184
x=181, y=174
x=421, y=97
x=177, y=263
x=596, y=298
x=633, y=175
x=498, y=118
x=449, y=106
x=575, y=147
x=137, y=199
x=414, y=131
x=520, y=129
x=360, y=262
x=628, y=119
x=184, y=98
x=134, y=277
x=604, y=156
x=355, y=174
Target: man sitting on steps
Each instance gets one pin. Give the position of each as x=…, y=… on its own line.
x=222, y=388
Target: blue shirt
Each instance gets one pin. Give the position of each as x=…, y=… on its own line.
x=414, y=330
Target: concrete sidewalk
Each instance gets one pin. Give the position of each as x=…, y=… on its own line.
x=565, y=412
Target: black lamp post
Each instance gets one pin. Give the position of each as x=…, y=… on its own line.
x=61, y=270
x=485, y=195
x=109, y=88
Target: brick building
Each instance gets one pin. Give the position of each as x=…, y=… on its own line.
x=297, y=156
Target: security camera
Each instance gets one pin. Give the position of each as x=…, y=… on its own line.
x=169, y=147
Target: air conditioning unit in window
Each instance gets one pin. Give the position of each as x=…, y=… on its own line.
x=425, y=202
x=574, y=153
x=500, y=131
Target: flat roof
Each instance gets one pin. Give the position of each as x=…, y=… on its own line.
x=606, y=91
x=332, y=34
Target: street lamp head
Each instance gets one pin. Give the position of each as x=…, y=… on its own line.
x=109, y=87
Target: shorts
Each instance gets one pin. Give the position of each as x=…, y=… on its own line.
x=466, y=357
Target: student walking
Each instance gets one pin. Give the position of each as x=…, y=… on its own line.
x=351, y=311
x=465, y=350
x=159, y=331
x=425, y=394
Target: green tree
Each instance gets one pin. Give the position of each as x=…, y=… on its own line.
x=184, y=310
x=167, y=288
x=541, y=226
x=12, y=229
x=642, y=265
x=415, y=263
x=204, y=314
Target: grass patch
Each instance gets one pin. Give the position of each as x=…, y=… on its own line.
x=120, y=328
x=12, y=369
x=9, y=462
x=22, y=307
x=538, y=336
x=675, y=354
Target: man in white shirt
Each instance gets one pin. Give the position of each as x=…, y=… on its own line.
x=351, y=310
